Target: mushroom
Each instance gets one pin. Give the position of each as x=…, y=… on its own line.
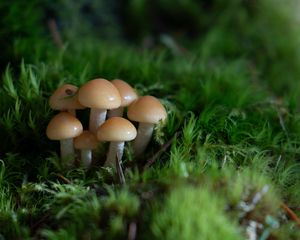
x=64, y=127
x=86, y=142
x=128, y=95
x=148, y=111
x=99, y=95
x=65, y=98
x=116, y=130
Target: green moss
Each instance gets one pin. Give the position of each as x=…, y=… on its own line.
x=189, y=213
x=233, y=123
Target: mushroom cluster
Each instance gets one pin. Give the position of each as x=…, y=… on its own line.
x=107, y=101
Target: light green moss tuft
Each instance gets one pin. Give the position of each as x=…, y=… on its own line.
x=193, y=213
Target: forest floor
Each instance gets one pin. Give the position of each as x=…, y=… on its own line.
x=224, y=165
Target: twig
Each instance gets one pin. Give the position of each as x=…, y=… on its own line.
x=120, y=171
x=163, y=148
x=65, y=180
x=170, y=43
x=224, y=161
x=291, y=213
x=132, y=231
x=55, y=33
x=281, y=121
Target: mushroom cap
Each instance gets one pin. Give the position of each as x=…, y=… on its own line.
x=99, y=93
x=86, y=140
x=64, y=98
x=116, y=129
x=63, y=126
x=127, y=93
x=147, y=109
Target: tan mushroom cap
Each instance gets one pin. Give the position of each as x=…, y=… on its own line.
x=63, y=126
x=64, y=98
x=86, y=140
x=116, y=129
x=100, y=94
x=127, y=93
x=147, y=109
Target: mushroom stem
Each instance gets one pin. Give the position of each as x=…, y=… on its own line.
x=67, y=151
x=117, y=112
x=115, y=150
x=72, y=111
x=97, y=117
x=86, y=157
x=143, y=137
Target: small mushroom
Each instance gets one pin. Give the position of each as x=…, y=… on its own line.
x=86, y=142
x=64, y=127
x=148, y=111
x=116, y=130
x=65, y=98
x=99, y=95
x=128, y=95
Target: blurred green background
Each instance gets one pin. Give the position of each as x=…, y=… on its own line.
x=262, y=31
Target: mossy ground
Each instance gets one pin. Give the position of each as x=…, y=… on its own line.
x=224, y=162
